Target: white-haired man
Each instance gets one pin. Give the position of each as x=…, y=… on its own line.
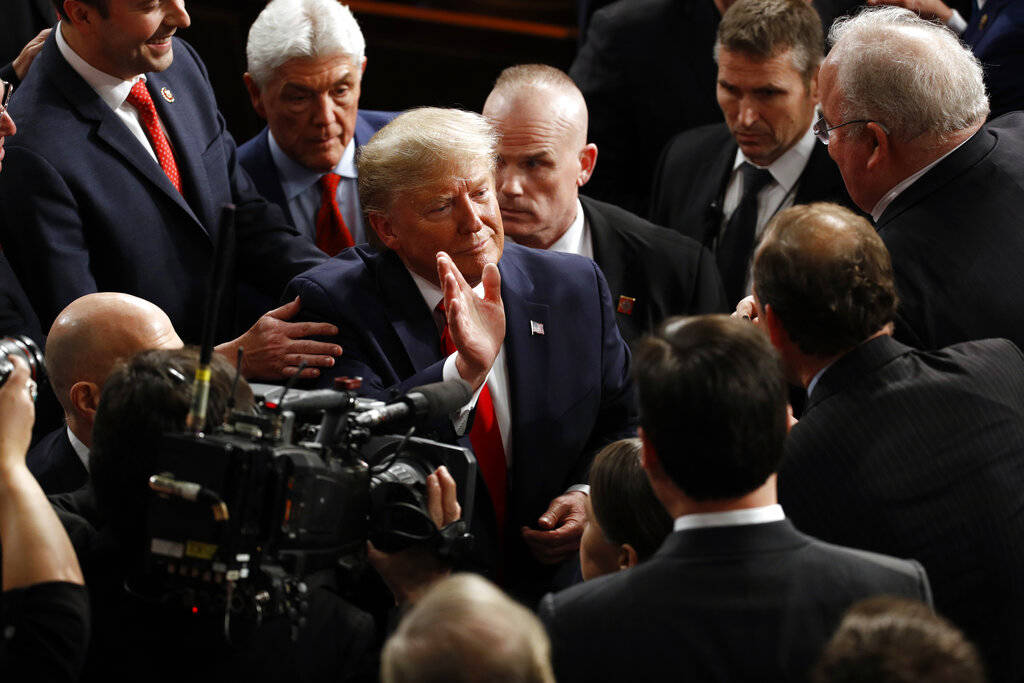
x=903, y=106
x=533, y=331
x=306, y=63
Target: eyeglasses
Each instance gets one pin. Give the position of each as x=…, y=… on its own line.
x=6, y=90
x=821, y=128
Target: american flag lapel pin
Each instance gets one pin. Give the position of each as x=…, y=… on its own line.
x=536, y=327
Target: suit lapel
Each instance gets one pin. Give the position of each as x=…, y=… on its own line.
x=715, y=172
x=527, y=327
x=176, y=112
x=856, y=364
x=969, y=154
x=407, y=312
x=364, y=131
x=820, y=178
x=84, y=100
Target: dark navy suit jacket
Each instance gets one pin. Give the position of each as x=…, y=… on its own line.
x=570, y=391
x=998, y=42
x=56, y=466
x=255, y=158
x=755, y=602
x=84, y=207
x=921, y=454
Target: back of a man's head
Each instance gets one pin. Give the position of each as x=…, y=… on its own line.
x=762, y=29
x=913, y=76
x=713, y=404
x=145, y=397
x=465, y=630
x=827, y=276
x=894, y=640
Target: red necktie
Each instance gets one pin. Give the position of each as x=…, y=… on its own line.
x=140, y=99
x=485, y=438
x=332, y=234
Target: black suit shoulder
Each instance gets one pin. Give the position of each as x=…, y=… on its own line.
x=653, y=273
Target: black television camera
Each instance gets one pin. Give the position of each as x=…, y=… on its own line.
x=240, y=516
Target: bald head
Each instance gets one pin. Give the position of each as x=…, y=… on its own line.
x=827, y=276
x=89, y=337
x=543, y=154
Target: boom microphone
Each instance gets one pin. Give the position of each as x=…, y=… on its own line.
x=428, y=402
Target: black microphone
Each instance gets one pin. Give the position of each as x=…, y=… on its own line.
x=429, y=402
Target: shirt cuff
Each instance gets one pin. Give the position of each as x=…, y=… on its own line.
x=956, y=23
x=582, y=488
x=460, y=418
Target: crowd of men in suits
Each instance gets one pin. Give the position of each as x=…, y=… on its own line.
x=571, y=252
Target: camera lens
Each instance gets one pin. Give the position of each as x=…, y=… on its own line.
x=27, y=350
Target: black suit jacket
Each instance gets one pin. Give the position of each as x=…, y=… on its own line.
x=921, y=454
x=56, y=466
x=737, y=603
x=694, y=170
x=647, y=73
x=666, y=273
x=956, y=241
x=16, y=314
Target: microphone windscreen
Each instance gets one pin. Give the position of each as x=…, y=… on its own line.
x=443, y=398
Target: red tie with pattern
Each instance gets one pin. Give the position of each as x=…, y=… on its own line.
x=486, y=439
x=140, y=99
x=332, y=234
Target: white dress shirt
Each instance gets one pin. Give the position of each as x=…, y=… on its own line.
x=113, y=91
x=758, y=515
x=577, y=239
x=302, y=190
x=81, y=450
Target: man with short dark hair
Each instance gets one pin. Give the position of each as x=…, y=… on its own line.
x=911, y=453
x=124, y=165
x=720, y=184
x=736, y=592
x=543, y=161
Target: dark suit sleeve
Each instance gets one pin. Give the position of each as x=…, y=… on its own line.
x=44, y=228
x=362, y=354
x=708, y=292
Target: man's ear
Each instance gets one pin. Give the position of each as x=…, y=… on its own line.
x=627, y=556
x=362, y=69
x=771, y=324
x=85, y=398
x=382, y=226
x=588, y=159
x=648, y=456
x=881, y=149
x=255, y=96
x=79, y=13
x=812, y=87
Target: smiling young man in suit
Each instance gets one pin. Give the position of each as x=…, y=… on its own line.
x=721, y=184
x=532, y=331
x=543, y=161
x=124, y=165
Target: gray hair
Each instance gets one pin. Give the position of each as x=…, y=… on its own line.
x=913, y=76
x=466, y=630
x=766, y=28
x=290, y=29
x=421, y=147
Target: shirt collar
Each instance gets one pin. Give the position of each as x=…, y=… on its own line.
x=111, y=89
x=814, y=380
x=432, y=294
x=786, y=170
x=296, y=178
x=890, y=196
x=571, y=240
x=758, y=515
x=81, y=450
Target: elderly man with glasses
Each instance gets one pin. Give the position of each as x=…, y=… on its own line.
x=903, y=110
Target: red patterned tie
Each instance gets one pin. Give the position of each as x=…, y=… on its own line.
x=486, y=439
x=332, y=234
x=140, y=99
